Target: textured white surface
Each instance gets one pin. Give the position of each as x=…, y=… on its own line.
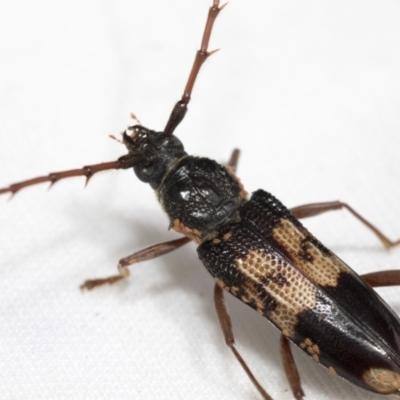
x=308, y=90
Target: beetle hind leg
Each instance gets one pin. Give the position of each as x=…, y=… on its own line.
x=290, y=368
x=383, y=278
x=311, y=210
x=147, y=253
x=226, y=326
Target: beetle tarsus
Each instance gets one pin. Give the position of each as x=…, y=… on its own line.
x=148, y=253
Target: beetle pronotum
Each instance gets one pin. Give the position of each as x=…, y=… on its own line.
x=37, y=264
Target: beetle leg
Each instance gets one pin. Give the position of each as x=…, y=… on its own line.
x=233, y=161
x=226, y=326
x=310, y=210
x=382, y=278
x=145, y=254
x=290, y=368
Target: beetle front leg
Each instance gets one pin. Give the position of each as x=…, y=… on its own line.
x=311, y=210
x=145, y=254
x=290, y=368
x=226, y=326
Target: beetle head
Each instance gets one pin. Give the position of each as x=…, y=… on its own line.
x=153, y=154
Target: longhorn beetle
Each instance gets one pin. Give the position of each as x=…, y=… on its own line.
x=239, y=227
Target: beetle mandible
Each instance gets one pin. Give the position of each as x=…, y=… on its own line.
x=196, y=86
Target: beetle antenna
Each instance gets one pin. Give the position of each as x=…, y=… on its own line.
x=180, y=108
x=88, y=171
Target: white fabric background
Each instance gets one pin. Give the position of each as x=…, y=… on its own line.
x=308, y=90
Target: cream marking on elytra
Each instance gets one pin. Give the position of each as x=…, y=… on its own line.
x=382, y=380
x=322, y=269
x=292, y=297
x=332, y=371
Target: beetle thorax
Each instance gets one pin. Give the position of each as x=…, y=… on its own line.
x=199, y=196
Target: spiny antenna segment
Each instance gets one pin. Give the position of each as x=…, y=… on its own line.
x=87, y=171
x=179, y=111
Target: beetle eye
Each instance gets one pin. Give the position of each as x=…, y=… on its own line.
x=148, y=170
